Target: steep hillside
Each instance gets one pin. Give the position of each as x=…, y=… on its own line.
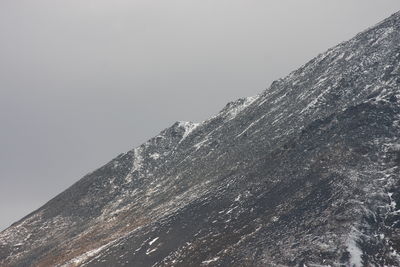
x=304, y=174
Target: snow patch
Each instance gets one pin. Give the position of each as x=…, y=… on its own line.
x=154, y=240
x=148, y=252
x=395, y=147
x=251, y=125
x=80, y=259
x=354, y=251
x=392, y=202
x=210, y=261
x=155, y=156
x=349, y=57
x=188, y=128
x=200, y=144
x=137, y=161
x=239, y=105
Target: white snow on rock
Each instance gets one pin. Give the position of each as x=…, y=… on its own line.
x=137, y=161
x=188, y=127
x=354, y=250
x=149, y=251
x=154, y=240
x=81, y=258
x=251, y=125
x=392, y=202
x=155, y=156
x=210, y=261
x=234, y=108
x=200, y=144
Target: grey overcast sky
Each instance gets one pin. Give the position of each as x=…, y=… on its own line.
x=84, y=80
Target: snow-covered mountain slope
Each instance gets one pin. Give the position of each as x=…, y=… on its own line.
x=304, y=174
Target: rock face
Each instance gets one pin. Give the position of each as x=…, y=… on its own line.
x=304, y=174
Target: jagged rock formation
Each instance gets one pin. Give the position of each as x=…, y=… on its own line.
x=304, y=174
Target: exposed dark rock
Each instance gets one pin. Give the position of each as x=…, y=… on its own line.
x=304, y=174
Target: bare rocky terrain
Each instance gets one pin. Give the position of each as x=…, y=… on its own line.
x=304, y=174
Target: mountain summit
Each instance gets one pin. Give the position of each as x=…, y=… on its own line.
x=304, y=174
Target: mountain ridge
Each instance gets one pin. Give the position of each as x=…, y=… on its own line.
x=241, y=187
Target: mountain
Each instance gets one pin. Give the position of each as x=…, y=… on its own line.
x=304, y=174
